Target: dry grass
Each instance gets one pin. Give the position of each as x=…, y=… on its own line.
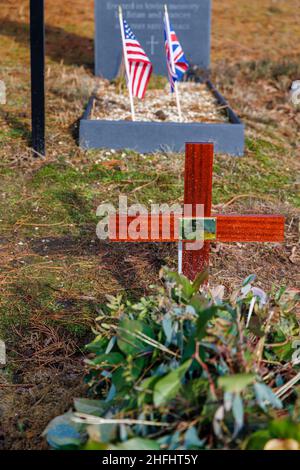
x=54, y=275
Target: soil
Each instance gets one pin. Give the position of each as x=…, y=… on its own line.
x=255, y=52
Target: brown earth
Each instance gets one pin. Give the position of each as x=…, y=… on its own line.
x=255, y=52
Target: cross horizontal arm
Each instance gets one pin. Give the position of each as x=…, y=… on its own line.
x=252, y=228
x=165, y=228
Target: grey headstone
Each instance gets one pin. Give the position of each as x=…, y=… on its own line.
x=191, y=19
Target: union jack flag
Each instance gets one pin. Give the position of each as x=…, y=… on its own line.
x=140, y=67
x=178, y=58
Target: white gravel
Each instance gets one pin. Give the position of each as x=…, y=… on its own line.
x=197, y=102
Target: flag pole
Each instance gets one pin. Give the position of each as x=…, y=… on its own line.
x=127, y=68
x=172, y=63
x=180, y=257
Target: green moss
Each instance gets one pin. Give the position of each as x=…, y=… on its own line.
x=257, y=173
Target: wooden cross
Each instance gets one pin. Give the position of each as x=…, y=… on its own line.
x=223, y=228
x=37, y=53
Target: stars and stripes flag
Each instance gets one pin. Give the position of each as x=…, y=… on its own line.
x=177, y=63
x=140, y=66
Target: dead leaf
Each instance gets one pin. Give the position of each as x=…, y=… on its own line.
x=114, y=165
x=294, y=258
x=282, y=444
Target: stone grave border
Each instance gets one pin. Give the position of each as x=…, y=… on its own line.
x=148, y=137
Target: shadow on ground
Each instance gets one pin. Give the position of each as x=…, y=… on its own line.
x=61, y=45
x=17, y=125
x=126, y=262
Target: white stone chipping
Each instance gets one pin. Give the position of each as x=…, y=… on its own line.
x=198, y=104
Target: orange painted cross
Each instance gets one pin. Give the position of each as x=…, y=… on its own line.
x=222, y=228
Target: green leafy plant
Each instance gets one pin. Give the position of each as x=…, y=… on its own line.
x=186, y=369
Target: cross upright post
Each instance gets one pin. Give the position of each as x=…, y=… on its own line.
x=198, y=190
x=37, y=53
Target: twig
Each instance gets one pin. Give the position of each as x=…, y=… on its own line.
x=286, y=387
x=146, y=339
x=16, y=385
x=36, y=153
x=240, y=343
x=145, y=185
x=277, y=345
x=88, y=419
x=274, y=363
x=243, y=196
x=62, y=224
x=261, y=344
x=205, y=368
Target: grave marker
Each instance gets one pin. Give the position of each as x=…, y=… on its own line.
x=222, y=228
x=37, y=51
x=191, y=19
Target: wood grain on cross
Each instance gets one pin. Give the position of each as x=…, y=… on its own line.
x=198, y=191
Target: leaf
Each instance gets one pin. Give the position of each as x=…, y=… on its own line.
x=228, y=401
x=103, y=433
x=128, y=343
x=107, y=360
x=189, y=348
x=195, y=390
x=118, y=377
x=167, y=388
x=167, y=327
x=258, y=440
x=97, y=346
x=111, y=345
x=249, y=280
x=261, y=295
x=137, y=444
x=284, y=353
x=147, y=388
x=265, y=396
x=218, y=294
x=199, y=303
x=218, y=420
x=90, y=407
x=281, y=429
x=92, y=445
x=111, y=394
x=282, y=444
x=285, y=429
x=238, y=413
x=191, y=440
x=200, y=279
x=204, y=317
x=63, y=434
x=236, y=383
x=183, y=283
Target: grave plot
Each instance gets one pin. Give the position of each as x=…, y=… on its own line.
x=207, y=115
x=198, y=105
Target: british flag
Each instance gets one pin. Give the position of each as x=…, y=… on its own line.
x=140, y=66
x=181, y=65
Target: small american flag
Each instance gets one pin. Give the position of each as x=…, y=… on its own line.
x=140, y=67
x=180, y=62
